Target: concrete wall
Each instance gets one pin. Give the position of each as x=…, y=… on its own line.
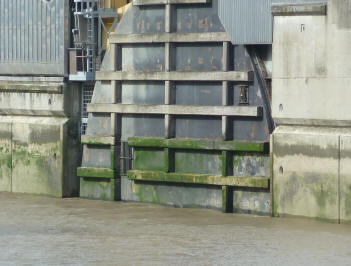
x=311, y=92
x=39, y=141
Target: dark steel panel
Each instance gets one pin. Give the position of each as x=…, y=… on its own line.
x=200, y=127
x=198, y=57
x=143, y=93
x=198, y=93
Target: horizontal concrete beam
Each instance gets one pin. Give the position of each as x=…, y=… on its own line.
x=32, y=112
x=198, y=144
x=164, y=2
x=245, y=111
x=33, y=87
x=32, y=79
x=104, y=173
x=199, y=179
x=98, y=140
x=175, y=76
x=300, y=10
x=169, y=37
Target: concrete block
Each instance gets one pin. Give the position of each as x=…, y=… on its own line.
x=311, y=69
x=5, y=157
x=312, y=101
x=41, y=155
x=299, y=47
x=17, y=103
x=37, y=157
x=305, y=173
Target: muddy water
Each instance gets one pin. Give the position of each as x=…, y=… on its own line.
x=44, y=231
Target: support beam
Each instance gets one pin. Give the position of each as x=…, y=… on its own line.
x=227, y=199
x=227, y=163
x=238, y=111
x=300, y=10
x=199, y=179
x=175, y=76
x=198, y=144
x=169, y=37
x=168, y=18
x=226, y=133
x=168, y=160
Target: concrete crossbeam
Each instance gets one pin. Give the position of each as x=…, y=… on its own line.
x=154, y=176
x=243, y=111
x=169, y=37
x=176, y=76
x=98, y=140
x=197, y=144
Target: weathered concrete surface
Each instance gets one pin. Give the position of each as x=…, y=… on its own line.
x=99, y=189
x=38, y=155
x=311, y=81
x=39, y=142
x=47, y=231
x=311, y=67
x=36, y=159
x=305, y=173
x=5, y=156
x=345, y=178
x=311, y=172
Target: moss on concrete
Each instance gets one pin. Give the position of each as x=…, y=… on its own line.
x=5, y=165
x=149, y=159
x=197, y=144
x=198, y=179
x=96, y=172
x=37, y=169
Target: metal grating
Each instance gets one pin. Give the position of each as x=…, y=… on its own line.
x=87, y=95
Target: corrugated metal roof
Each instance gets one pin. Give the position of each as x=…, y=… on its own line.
x=33, y=37
x=293, y=2
x=247, y=21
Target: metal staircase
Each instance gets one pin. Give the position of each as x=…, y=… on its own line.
x=86, y=53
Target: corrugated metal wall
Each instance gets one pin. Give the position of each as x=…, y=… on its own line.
x=247, y=21
x=33, y=37
x=278, y=2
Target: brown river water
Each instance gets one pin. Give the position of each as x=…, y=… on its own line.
x=46, y=231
